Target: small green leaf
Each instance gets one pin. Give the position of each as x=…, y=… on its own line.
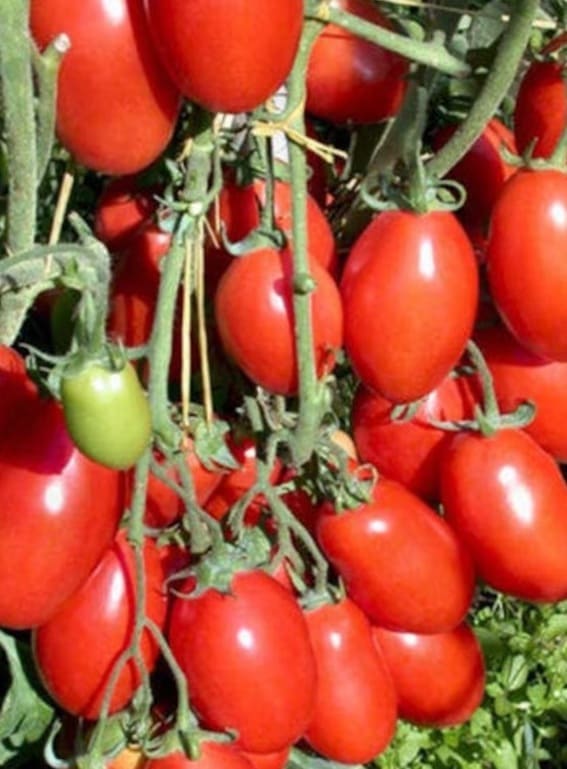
x=505, y=756
x=515, y=672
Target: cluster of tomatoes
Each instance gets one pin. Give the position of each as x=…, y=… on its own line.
x=340, y=618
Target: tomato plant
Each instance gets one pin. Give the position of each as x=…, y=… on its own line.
x=259, y=627
x=427, y=259
x=122, y=208
x=355, y=706
x=262, y=282
x=228, y=67
x=526, y=273
x=74, y=667
x=115, y=119
x=57, y=498
x=212, y=755
x=350, y=79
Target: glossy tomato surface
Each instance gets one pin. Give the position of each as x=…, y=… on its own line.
x=410, y=293
x=520, y=376
x=212, y=755
x=59, y=512
x=482, y=171
x=540, y=112
x=248, y=660
x=439, y=678
x=256, y=293
x=507, y=500
x=238, y=214
x=350, y=79
x=409, y=449
x=527, y=270
x=355, y=708
x=75, y=663
x=116, y=107
x=399, y=560
x=227, y=55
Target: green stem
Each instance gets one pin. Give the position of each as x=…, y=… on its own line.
x=46, y=67
x=311, y=392
x=432, y=53
x=495, y=87
x=559, y=155
x=16, y=83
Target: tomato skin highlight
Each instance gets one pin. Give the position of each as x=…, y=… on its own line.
x=507, y=500
x=400, y=562
x=107, y=414
x=518, y=376
x=356, y=705
x=409, y=451
x=261, y=282
x=72, y=668
x=218, y=55
x=260, y=630
x=350, y=79
x=527, y=273
x=114, y=119
x=438, y=678
x=404, y=348
x=53, y=496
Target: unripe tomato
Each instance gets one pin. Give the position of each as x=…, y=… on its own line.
x=116, y=107
x=107, y=413
x=351, y=79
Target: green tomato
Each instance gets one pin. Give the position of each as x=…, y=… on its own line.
x=107, y=413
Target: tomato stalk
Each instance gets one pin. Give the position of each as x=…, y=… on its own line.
x=19, y=120
x=495, y=87
x=432, y=53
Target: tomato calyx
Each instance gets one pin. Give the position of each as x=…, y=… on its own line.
x=487, y=417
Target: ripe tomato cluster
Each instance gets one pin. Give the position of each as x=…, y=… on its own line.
x=252, y=599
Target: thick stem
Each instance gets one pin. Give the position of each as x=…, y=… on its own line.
x=433, y=53
x=495, y=87
x=16, y=82
x=311, y=393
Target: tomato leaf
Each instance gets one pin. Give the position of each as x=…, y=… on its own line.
x=25, y=715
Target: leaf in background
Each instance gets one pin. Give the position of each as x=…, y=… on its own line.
x=25, y=715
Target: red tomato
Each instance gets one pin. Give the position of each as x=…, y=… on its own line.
x=409, y=451
x=59, y=512
x=507, y=500
x=439, y=678
x=527, y=270
x=540, y=112
x=238, y=55
x=351, y=79
x=261, y=282
x=16, y=388
x=410, y=293
x=74, y=665
x=355, y=708
x=164, y=506
x=399, y=561
x=116, y=107
x=122, y=208
x=237, y=482
x=277, y=760
x=518, y=375
x=482, y=171
x=213, y=755
x=248, y=660
x=239, y=213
